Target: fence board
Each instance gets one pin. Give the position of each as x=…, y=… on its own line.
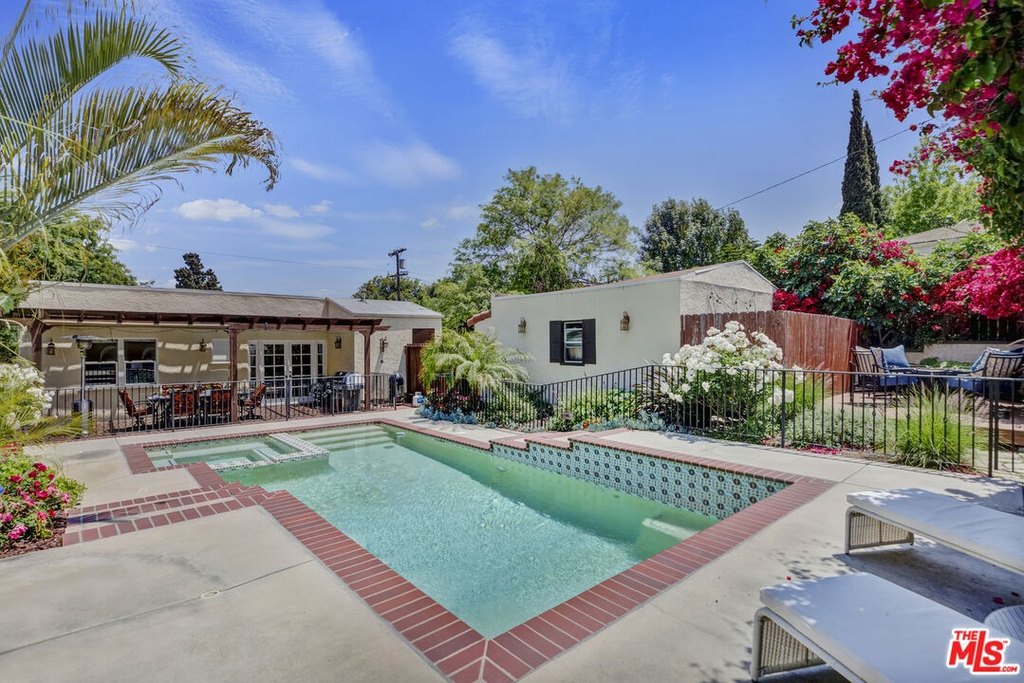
x=812, y=341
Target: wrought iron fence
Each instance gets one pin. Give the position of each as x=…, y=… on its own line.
x=149, y=407
x=917, y=416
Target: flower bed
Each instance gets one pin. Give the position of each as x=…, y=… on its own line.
x=33, y=501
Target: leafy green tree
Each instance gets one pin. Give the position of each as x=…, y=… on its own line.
x=881, y=207
x=459, y=296
x=480, y=361
x=75, y=250
x=769, y=257
x=193, y=275
x=74, y=136
x=933, y=194
x=859, y=194
x=577, y=232
x=681, y=234
x=383, y=287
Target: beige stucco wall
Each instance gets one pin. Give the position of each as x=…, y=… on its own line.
x=179, y=359
x=654, y=307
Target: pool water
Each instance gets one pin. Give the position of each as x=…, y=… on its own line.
x=494, y=541
x=251, y=449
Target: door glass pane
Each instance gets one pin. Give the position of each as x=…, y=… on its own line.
x=101, y=363
x=302, y=369
x=274, y=369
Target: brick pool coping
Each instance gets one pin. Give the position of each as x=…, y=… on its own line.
x=458, y=651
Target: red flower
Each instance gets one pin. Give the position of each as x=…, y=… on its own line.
x=32, y=474
x=15, y=478
x=40, y=466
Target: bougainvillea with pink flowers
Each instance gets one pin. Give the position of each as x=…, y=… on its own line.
x=993, y=287
x=32, y=495
x=958, y=59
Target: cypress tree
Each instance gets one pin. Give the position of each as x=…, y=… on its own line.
x=881, y=216
x=858, y=195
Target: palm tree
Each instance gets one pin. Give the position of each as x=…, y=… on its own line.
x=70, y=142
x=480, y=361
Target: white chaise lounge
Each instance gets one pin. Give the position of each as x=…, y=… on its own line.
x=864, y=627
x=877, y=518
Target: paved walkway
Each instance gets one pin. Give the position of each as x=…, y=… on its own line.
x=233, y=596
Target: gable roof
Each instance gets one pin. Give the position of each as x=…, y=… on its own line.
x=925, y=242
x=89, y=300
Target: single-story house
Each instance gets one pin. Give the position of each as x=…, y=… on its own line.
x=588, y=331
x=148, y=335
x=925, y=242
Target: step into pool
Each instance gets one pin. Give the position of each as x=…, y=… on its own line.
x=494, y=541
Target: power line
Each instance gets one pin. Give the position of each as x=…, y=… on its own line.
x=399, y=272
x=816, y=168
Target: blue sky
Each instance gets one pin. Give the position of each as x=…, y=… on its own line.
x=398, y=119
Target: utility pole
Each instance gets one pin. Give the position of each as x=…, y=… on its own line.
x=399, y=270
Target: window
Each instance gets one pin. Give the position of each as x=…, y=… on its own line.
x=220, y=351
x=101, y=363
x=572, y=342
x=120, y=361
x=139, y=362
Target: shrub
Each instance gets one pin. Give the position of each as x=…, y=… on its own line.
x=514, y=405
x=575, y=411
x=852, y=429
x=31, y=496
x=644, y=421
x=928, y=432
x=457, y=415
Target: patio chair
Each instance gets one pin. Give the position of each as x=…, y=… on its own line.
x=872, y=377
x=219, y=403
x=879, y=518
x=185, y=404
x=139, y=414
x=993, y=365
x=863, y=627
x=253, y=401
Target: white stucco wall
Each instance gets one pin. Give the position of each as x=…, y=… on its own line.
x=654, y=307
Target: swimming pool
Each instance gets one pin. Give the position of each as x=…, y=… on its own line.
x=495, y=540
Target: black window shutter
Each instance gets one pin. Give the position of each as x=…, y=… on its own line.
x=589, y=342
x=555, y=332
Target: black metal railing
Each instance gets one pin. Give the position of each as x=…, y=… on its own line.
x=149, y=407
x=915, y=416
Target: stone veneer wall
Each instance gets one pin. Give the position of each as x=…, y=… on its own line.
x=704, y=490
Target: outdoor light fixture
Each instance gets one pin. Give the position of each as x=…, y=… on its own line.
x=51, y=349
x=83, y=342
x=522, y=326
x=624, y=323
x=383, y=344
x=202, y=344
x=337, y=342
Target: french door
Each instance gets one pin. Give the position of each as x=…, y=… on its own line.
x=274, y=362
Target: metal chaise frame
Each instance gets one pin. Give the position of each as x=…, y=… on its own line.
x=778, y=647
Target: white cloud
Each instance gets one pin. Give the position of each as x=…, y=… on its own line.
x=224, y=210
x=294, y=229
x=526, y=79
x=431, y=223
x=458, y=212
x=280, y=211
x=320, y=171
x=406, y=165
x=321, y=207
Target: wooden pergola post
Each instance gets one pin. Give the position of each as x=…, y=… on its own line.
x=233, y=369
x=367, y=384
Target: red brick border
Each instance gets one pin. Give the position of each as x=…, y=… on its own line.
x=457, y=650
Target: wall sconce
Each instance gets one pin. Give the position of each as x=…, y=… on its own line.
x=624, y=322
x=522, y=326
x=383, y=344
x=337, y=342
x=202, y=344
x=83, y=342
x=51, y=349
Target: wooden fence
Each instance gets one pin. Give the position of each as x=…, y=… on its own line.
x=814, y=342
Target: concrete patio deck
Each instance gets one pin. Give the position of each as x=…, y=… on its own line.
x=235, y=596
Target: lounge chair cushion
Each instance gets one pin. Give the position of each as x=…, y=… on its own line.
x=895, y=357
x=976, y=529
x=880, y=631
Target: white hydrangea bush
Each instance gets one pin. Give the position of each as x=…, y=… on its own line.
x=730, y=372
x=23, y=400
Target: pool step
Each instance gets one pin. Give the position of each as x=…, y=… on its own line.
x=347, y=435
x=362, y=443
